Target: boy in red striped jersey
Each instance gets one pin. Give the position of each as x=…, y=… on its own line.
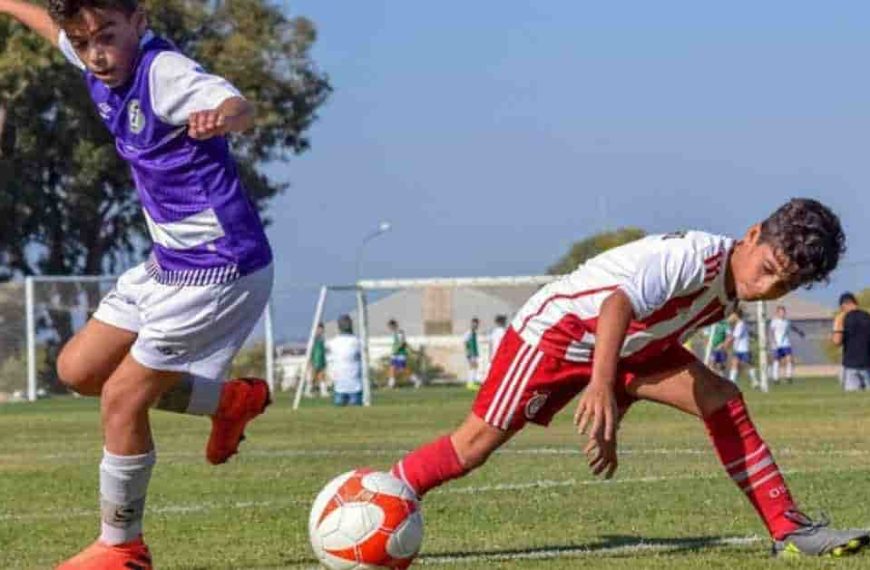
x=613, y=330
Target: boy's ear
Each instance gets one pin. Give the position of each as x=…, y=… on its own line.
x=753, y=234
x=140, y=21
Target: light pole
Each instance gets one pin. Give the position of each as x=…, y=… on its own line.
x=382, y=228
x=362, y=321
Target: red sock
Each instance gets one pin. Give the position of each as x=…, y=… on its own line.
x=430, y=466
x=750, y=464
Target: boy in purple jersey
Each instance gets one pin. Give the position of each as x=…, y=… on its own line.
x=166, y=335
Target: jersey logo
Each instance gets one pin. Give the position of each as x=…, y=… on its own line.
x=135, y=116
x=105, y=110
x=535, y=404
x=674, y=235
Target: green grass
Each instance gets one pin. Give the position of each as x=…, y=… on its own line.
x=670, y=491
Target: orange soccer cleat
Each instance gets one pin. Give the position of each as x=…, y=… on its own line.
x=101, y=556
x=242, y=400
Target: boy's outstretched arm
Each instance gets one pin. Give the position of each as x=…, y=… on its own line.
x=234, y=115
x=597, y=410
x=34, y=17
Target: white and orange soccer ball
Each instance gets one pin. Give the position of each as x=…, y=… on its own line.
x=366, y=519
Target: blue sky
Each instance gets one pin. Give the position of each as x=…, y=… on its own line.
x=492, y=135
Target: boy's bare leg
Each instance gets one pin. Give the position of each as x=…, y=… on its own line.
x=90, y=357
x=451, y=456
x=698, y=391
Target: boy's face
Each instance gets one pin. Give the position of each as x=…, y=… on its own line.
x=758, y=271
x=780, y=312
x=107, y=42
x=474, y=325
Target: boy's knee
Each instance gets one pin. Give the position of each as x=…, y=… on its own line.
x=120, y=406
x=75, y=375
x=717, y=394
x=475, y=441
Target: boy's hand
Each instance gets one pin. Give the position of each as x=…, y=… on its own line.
x=202, y=125
x=602, y=457
x=598, y=412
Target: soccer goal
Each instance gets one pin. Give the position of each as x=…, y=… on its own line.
x=433, y=314
x=56, y=307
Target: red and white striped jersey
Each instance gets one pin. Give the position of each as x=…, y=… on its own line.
x=676, y=284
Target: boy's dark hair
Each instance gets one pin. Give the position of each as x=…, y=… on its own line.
x=63, y=10
x=809, y=234
x=392, y=323
x=345, y=324
x=848, y=298
x=501, y=320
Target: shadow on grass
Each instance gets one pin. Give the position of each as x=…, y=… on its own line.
x=608, y=545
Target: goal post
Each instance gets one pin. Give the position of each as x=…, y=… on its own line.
x=56, y=307
x=364, y=288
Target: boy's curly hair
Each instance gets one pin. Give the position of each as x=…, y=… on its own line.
x=809, y=234
x=63, y=10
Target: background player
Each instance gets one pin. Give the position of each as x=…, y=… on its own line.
x=167, y=333
x=399, y=357
x=780, y=329
x=632, y=307
x=318, y=362
x=344, y=354
x=719, y=343
x=741, y=350
x=472, y=354
x=496, y=335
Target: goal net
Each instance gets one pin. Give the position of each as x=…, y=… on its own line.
x=42, y=314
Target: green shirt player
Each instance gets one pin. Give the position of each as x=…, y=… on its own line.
x=318, y=362
x=399, y=353
x=719, y=356
x=472, y=354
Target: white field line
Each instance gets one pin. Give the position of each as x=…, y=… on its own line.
x=542, y=484
x=312, y=453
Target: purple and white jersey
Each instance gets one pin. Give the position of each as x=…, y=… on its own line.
x=204, y=227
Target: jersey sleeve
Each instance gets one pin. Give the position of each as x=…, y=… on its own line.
x=661, y=275
x=68, y=52
x=179, y=86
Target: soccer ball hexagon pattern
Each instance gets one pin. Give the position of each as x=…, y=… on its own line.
x=366, y=519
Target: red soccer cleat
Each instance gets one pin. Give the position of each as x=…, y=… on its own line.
x=101, y=556
x=242, y=400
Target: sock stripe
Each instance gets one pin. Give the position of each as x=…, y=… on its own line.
x=754, y=470
x=747, y=458
x=754, y=485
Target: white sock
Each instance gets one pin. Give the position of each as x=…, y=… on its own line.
x=324, y=392
x=194, y=395
x=775, y=370
x=789, y=370
x=205, y=396
x=392, y=382
x=123, y=485
x=732, y=375
x=752, y=376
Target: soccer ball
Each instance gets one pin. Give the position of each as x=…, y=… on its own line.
x=366, y=519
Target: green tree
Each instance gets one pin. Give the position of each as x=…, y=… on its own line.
x=67, y=194
x=833, y=352
x=588, y=248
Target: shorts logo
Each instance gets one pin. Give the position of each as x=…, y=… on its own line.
x=168, y=350
x=535, y=403
x=135, y=116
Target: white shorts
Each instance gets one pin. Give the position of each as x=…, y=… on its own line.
x=193, y=329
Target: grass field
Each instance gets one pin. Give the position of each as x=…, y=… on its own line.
x=533, y=506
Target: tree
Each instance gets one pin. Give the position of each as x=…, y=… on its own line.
x=66, y=199
x=588, y=248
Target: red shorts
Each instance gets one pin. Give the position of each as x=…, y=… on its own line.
x=526, y=385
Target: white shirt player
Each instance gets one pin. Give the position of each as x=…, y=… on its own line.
x=344, y=363
x=740, y=333
x=495, y=336
x=779, y=330
x=675, y=282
